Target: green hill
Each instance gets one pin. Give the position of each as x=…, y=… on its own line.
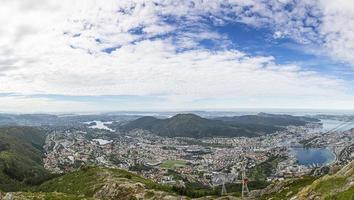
x=339, y=186
x=101, y=183
x=21, y=158
x=269, y=120
x=284, y=189
x=190, y=125
x=105, y=183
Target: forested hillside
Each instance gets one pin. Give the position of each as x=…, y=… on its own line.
x=191, y=125
x=21, y=155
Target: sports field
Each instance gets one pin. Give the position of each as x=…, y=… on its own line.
x=172, y=164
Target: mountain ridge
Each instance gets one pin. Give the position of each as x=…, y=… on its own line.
x=191, y=125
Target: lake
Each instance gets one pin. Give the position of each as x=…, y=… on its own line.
x=317, y=156
x=100, y=125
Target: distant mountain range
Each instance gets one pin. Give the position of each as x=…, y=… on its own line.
x=270, y=119
x=57, y=120
x=180, y=125
x=191, y=125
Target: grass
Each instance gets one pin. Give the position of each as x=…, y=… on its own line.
x=173, y=164
x=261, y=171
x=333, y=188
x=344, y=195
x=79, y=182
x=325, y=187
x=89, y=180
x=48, y=196
x=290, y=188
x=336, y=186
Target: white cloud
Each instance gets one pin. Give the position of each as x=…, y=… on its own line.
x=55, y=47
x=325, y=22
x=338, y=29
x=22, y=104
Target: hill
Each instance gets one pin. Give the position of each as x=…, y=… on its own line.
x=21, y=158
x=338, y=186
x=101, y=183
x=28, y=119
x=269, y=120
x=108, y=183
x=190, y=125
x=105, y=183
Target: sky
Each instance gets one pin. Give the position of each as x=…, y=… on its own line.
x=157, y=55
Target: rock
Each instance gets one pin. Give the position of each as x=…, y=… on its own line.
x=124, y=191
x=8, y=196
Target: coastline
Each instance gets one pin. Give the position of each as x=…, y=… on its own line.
x=335, y=156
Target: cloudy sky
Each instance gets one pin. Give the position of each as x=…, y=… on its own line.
x=94, y=55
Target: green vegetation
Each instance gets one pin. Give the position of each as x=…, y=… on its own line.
x=79, y=182
x=329, y=187
x=196, y=189
x=173, y=164
x=286, y=189
x=105, y=183
x=270, y=120
x=190, y=125
x=21, y=170
x=326, y=186
x=261, y=171
x=21, y=158
x=336, y=186
x=139, y=168
x=47, y=196
x=96, y=181
x=84, y=181
x=344, y=195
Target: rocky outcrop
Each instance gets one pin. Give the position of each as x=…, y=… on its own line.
x=346, y=155
x=123, y=191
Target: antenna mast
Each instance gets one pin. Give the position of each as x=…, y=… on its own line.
x=245, y=190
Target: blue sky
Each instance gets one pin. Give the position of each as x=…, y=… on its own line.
x=168, y=55
x=259, y=41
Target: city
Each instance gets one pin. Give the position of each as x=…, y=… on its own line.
x=177, y=100
x=210, y=162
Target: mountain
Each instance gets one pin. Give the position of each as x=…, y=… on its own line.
x=338, y=186
x=91, y=183
x=105, y=183
x=58, y=120
x=187, y=125
x=269, y=120
x=282, y=190
x=28, y=119
x=147, y=123
x=191, y=125
x=21, y=155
